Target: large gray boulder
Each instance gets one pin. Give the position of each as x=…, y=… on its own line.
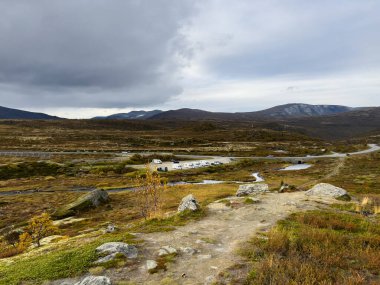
x=109, y=248
x=90, y=200
x=251, y=189
x=326, y=190
x=188, y=203
x=95, y=280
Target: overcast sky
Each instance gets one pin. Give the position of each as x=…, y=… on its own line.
x=81, y=58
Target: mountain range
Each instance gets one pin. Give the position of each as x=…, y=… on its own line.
x=283, y=112
x=294, y=110
x=323, y=121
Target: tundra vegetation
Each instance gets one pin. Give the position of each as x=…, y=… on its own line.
x=334, y=245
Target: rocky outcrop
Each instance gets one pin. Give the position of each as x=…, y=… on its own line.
x=85, y=202
x=188, y=203
x=326, y=190
x=95, y=280
x=252, y=189
x=111, y=250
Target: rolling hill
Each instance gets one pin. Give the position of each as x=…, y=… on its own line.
x=133, y=115
x=8, y=113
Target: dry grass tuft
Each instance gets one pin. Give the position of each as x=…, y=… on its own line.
x=317, y=247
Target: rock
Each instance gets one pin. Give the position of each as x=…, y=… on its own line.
x=95, y=280
x=127, y=250
x=327, y=190
x=165, y=250
x=188, y=250
x=188, y=203
x=50, y=239
x=110, y=228
x=83, y=203
x=251, y=189
x=107, y=258
x=151, y=265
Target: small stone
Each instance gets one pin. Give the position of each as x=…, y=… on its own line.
x=165, y=250
x=110, y=228
x=188, y=250
x=151, y=265
x=95, y=280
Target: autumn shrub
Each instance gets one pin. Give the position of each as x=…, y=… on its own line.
x=317, y=247
x=38, y=227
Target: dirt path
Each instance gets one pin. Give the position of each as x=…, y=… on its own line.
x=333, y=172
x=215, y=239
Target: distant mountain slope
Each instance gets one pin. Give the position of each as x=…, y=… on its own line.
x=191, y=115
x=8, y=113
x=133, y=115
x=278, y=112
x=302, y=110
x=358, y=122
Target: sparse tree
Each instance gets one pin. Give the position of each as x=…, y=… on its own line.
x=39, y=227
x=149, y=193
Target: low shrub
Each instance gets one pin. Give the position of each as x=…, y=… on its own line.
x=318, y=247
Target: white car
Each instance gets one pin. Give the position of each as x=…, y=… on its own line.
x=157, y=161
x=177, y=166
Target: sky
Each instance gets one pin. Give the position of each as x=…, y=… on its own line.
x=84, y=58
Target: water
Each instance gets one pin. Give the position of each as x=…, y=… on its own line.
x=297, y=167
x=258, y=177
x=209, y=182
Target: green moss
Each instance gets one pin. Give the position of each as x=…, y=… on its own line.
x=59, y=264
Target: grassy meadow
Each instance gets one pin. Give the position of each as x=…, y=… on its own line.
x=336, y=245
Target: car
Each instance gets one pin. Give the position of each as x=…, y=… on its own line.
x=163, y=169
x=177, y=166
x=157, y=161
x=175, y=161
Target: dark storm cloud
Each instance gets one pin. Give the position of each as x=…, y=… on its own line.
x=90, y=52
x=209, y=54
